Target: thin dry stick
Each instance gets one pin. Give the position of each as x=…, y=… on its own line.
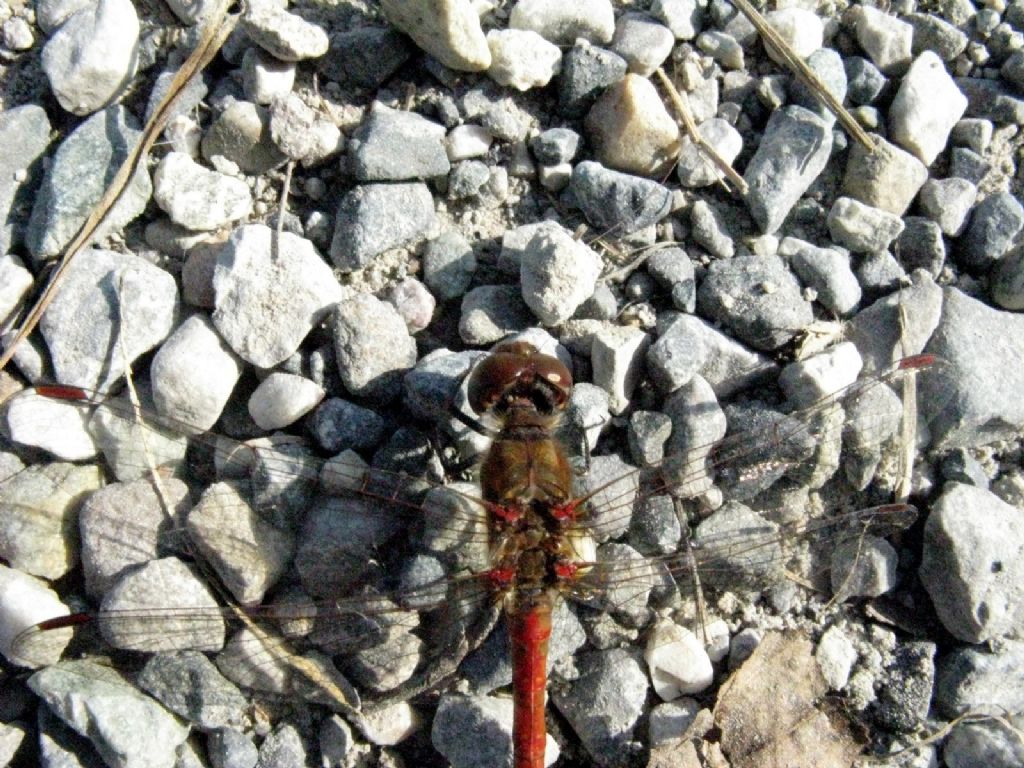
x=284, y=196
x=682, y=109
x=804, y=73
x=908, y=432
x=215, y=33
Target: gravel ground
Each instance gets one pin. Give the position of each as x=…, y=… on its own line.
x=458, y=173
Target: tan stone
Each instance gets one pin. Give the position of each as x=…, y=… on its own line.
x=631, y=130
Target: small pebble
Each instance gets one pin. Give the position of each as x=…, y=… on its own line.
x=393, y=145
x=264, y=78
x=555, y=145
x=561, y=23
x=557, y=274
x=677, y=661
x=449, y=31
x=927, y=106
x=888, y=178
x=586, y=71
x=282, y=399
x=948, y=202
x=197, y=198
x=91, y=58
x=885, y=38
x=994, y=224
x=723, y=48
x=800, y=28
x=642, y=42
x=283, y=35
x=685, y=18
x=694, y=168
x=631, y=130
x=522, y=59
x=467, y=141
x=241, y=134
x=303, y=134
x=373, y=218
x=1008, y=280
x=616, y=201
x=860, y=227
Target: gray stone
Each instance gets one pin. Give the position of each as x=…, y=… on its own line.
x=983, y=681
x=282, y=748
x=905, y=697
x=882, y=337
x=827, y=64
x=197, y=198
x=302, y=133
x=364, y=56
x=241, y=134
x=991, y=100
x=586, y=71
x=491, y=312
x=865, y=567
x=603, y=705
x=973, y=132
x=373, y=347
x=82, y=167
x=209, y=700
x=474, y=730
x=618, y=202
x=91, y=59
x=270, y=292
x=654, y=528
x=825, y=270
x=617, y=357
x=921, y=246
x=694, y=168
x=555, y=145
x=193, y=375
x=673, y=270
x=24, y=137
x=285, y=36
x=228, y=747
x=338, y=424
x=723, y=48
x=862, y=228
x=994, y=224
x=247, y=553
x=758, y=298
x=124, y=726
x=39, y=531
x=793, y=151
x=992, y=743
x=467, y=179
x=125, y=524
x=709, y=229
x=968, y=564
x=1007, y=280
x=373, y=218
x=697, y=424
x=642, y=42
x=490, y=105
x=948, y=202
x=392, y=145
x=448, y=265
x=149, y=623
x=879, y=273
x=887, y=178
x=967, y=164
x=934, y=33
x=864, y=81
x=131, y=305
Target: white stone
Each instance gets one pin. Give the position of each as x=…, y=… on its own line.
x=466, y=141
x=555, y=177
x=677, y=661
x=284, y=35
x=522, y=59
x=617, y=356
x=390, y=725
x=802, y=29
x=927, y=106
x=642, y=42
x=809, y=380
x=25, y=601
x=59, y=427
x=557, y=274
x=196, y=197
x=264, y=77
x=449, y=30
x=282, y=399
x=92, y=57
x=886, y=40
x=193, y=375
x=723, y=48
x=562, y=22
x=15, y=282
x=716, y=635
x=835, y=656
x=683, y=17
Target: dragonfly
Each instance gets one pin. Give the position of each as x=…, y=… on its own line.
x=374, y=585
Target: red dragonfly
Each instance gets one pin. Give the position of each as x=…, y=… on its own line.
x=530, y=538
